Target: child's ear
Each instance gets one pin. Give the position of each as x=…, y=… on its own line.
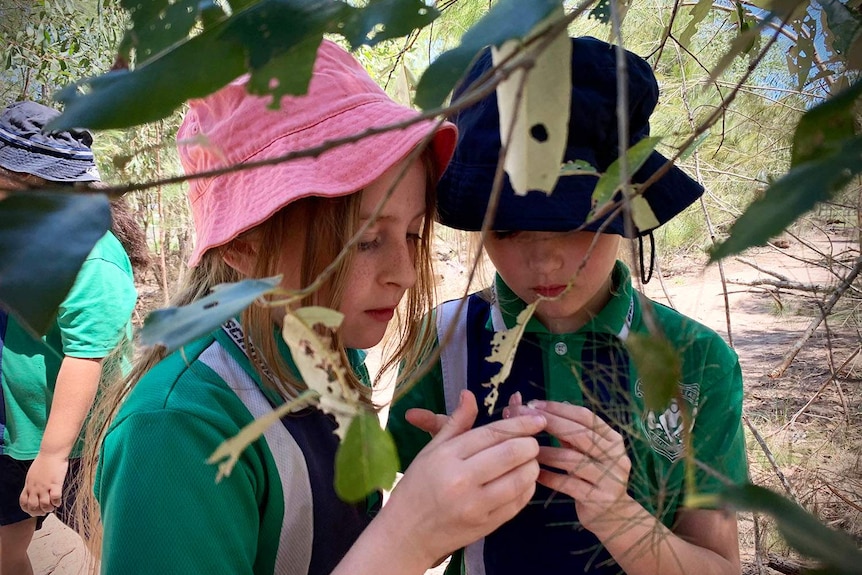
x=241, y=255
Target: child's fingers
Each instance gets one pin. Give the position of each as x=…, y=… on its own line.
x=512, y=491
x=496, y=434
x=426, y=420
x=573, y=422
x=461, y=419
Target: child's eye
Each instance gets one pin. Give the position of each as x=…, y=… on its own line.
x=368, y=244
x=416, y=238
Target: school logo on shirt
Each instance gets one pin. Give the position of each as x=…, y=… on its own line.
x=665, y=431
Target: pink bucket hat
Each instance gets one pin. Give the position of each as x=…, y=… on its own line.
x=232, y=127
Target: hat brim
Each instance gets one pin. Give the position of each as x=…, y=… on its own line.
x=339, y=171
x=52, y=168
x=568, y=208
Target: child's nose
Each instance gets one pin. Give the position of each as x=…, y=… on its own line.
x=400, y=265
x=545, y=257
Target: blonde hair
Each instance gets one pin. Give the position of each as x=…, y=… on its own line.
x=335, y=221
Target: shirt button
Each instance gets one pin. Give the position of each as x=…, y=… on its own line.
x=561, y=348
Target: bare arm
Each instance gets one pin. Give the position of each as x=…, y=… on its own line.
x=74, y=392
x=463, y=485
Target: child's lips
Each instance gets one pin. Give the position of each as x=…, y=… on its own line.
x=549, y=291
x=383, y=314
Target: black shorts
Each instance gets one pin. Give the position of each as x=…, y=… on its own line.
x=13, y=474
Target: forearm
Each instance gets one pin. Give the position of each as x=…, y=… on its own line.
x=74, y=392
x=705, y=542
x=385, y=548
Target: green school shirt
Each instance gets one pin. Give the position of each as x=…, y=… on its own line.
x=93, y=319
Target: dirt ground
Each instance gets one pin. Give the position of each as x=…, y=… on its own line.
x=809, y=420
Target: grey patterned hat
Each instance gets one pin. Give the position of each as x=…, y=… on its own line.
x=56, y=156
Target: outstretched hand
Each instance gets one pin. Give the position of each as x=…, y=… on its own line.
x=466, y=482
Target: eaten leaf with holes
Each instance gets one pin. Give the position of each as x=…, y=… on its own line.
x=320, y=367
x=504, y=345
x=366, y=459
x=227, y=453
x=534, y=109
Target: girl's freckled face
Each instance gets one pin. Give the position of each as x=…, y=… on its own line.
x=384, y=265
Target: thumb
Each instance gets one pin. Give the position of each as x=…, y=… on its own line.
x=461, y=420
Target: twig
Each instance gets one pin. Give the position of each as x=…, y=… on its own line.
x=784, y=565
x=661, y=282
x=706, y=217
x=762, y=442
x=784, y=284
x=758, y=544
x=827, y=308
x=855, y=506
x=819, y=391
x=760, y=269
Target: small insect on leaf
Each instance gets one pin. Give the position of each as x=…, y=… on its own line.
x=658, y=366
x=366, y=459
x=320, y=367
x=503, y=348
x=578, y=168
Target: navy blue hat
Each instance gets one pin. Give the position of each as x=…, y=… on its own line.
x=26, y=147
x=466, y=185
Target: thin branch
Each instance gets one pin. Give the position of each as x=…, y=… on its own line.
x=771, y=458
x=784, y=284
x=827, y=308
x=813, y=398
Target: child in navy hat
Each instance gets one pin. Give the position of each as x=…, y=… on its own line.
x=612, y=487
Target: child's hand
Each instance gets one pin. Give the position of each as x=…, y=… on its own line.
x=593, y=460
x=467, y=482
x=43, y=487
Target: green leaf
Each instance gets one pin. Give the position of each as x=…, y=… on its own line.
x=601, y=11
x=698, y=12
x=740, y=45
x=366, y=460
x=791, y=196
x=693, y=146
x=658, y=366
x=124, y=98
x=382, y=20
x=158, y=24
x=823, y=128
x=578, y=168
x=274, y=40
x=45, y=237
x=173, y=327
x=507, y=19
x=610, y=182
x=845, y=26
x=835, y=550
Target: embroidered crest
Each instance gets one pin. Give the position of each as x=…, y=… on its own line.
x=664, y=431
